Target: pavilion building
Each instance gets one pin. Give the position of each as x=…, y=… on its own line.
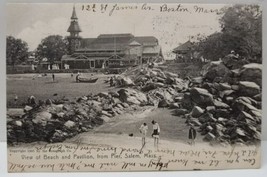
x=108, y=51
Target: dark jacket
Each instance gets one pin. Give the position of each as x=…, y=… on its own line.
x=192, y=133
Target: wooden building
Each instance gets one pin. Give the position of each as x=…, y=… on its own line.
x=186, y=53
x=109, y=51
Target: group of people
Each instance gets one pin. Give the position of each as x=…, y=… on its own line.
x=155, y=134
x=156, y=131
x=115, y=81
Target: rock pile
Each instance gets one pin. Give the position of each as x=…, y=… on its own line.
x=52, y=122
x=160, y=87
x=226, y=106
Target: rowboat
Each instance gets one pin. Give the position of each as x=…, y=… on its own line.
x=90, y=80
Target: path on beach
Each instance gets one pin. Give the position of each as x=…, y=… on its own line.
x=116, y=132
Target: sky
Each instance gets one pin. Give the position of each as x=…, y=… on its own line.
x=172, y=24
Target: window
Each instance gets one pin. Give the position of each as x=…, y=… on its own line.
x=92, y=64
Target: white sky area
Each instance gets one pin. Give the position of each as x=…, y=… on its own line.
x=34, y=22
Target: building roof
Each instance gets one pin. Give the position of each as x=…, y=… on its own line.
x=118, y=42
x=146, y=40
x=119, y=35
x=107, y=42
x=134, y=43
x=74, y=27
x=86, y=42
x=184, y=47
x=74, y=16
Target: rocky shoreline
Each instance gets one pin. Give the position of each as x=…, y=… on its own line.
x=224, y=104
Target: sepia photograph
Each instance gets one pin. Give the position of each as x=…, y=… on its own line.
x=133, y=87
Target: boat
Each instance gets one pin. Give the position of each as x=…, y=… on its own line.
x=90, y=80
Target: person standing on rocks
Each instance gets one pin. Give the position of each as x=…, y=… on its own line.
x=192, y=135
x=143, y=130
x=155, y=134
x=111, y=82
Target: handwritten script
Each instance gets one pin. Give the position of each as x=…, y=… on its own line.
x=111, y=9
x=83, y=157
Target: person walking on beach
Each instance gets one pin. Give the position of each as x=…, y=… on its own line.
x=16, y=99
x=143, y=130
x=53, y=77
x=78, y=77
x=155, y=134
x=192, y=135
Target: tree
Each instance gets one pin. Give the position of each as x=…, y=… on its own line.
x=16, y=51
x=211, y=47
x=52, y=47
x=243, y=25
x=241, y=32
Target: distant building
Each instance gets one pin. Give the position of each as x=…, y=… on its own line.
x=112, y=51
x=31, y=59
x=186, y=53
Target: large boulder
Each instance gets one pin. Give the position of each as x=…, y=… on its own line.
x=27, y=108
x=252, y=72
x=106, y=113
x=160, y=73
x=58, y=136
x=244, y=115
x=233, y=62
x=163, y=103
x=201, y=97
x=220, y=112
x=164, y=94
x=209, y=137
x=215, y=69
x=132, y=96
x=243, y=104
x=224, y=86
x=148, y=87
x=197, y=80
x=41, y=118
x=114, y=94
x=180, y=112
x=172, y=75
x=103, y=94
x=69, y=124
x=206, y=117
x=249, y=88
x=126, y=81
x=174, y=105
x=220, y=104
x=226, y=93
x=258, y=97
x=179, y=84
x=197, y=111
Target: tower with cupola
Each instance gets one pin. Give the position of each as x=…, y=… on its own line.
x=74, y=30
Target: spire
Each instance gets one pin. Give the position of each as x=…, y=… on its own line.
x=74, y=16
x=74, y=26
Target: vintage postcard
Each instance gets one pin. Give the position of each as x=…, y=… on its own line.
x=133, y=87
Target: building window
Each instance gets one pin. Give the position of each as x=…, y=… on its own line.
x=92, y=64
